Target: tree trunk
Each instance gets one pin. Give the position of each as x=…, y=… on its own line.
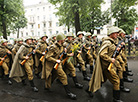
x=77, y=21
x=18, y=32
x=4, y=29
x=3, y=22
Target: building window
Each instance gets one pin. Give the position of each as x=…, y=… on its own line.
x=43, y=8
x=33, y=18
x=37, y=8
x=22, y=34
x=56, y=32
x=31, y=9
x=65, y=32
x=38, y=25
x=50, y=17
x=44, y=17
x=44, y=32
x=32, y=33
x=57, y=24
x=49, y=8
x=44, y=25
x=38, y=33
x=98, y=31
x=26, y=34
x=26, y=27
x=25, y=11
x=50, y=24
x=32, y=26
x=50, y=32
x=30, y=18
x=38, y=18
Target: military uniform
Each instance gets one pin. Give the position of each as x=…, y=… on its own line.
x=19, y=72
x=49, y=73
x=39, y=53
x=6, y=62
x=101, y=72
x=79, y=59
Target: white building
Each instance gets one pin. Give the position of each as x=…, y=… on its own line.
x=41, y=20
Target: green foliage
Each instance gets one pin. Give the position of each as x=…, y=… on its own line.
x=90, y=15
x=9, y=13
x=125, y=15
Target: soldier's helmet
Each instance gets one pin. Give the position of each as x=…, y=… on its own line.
x=113, y=29
x=60, y=36
x=80, y=32
x=28, y=38
x=53, y=35
x=20, y=39
x=44, y=36
x=70, y=34
x=122, y=31
x=88, y=34
x=3, y=41
x=94, y=35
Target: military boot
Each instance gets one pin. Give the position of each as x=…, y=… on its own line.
x=70, y=94
x=9, y=80
x=33, y=86
x=91, y=69
x=38, y=76
x=23, y=82
x=116, y=96
x=85, y=76
x=78, y=85
x=125, y=77
x=122, y=88
x=127, y=71
x=89, y=92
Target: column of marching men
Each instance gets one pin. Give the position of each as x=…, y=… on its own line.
x=58, y=59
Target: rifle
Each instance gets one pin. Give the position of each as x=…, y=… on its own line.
x=42, y=57
x=46, y=50
x=60, y=57
x=22, y=63
x=2, y=61
x=88, y=52
x=116, y=53
x=81, y=50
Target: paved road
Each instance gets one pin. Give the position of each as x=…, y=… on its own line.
x=19, y=93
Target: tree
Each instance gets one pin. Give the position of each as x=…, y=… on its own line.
x=125, y=15
x=10, y=10
x=20, y=23
x=77, y=13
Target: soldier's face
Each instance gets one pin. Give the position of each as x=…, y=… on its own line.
x=5, y=44
x=29, y=41
x=20, y=42
x=94, y=37
x=80, y=36
x=89, y=36
x=44, y=38
x=114, y=35
x=69, y=38
x=54, y=37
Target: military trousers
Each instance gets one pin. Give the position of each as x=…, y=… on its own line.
x=29, y=70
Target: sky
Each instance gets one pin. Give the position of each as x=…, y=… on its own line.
x=31, y=2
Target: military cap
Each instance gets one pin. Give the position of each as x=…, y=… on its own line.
x=113, y=29
x=70, y=34
x=88, y=34
x=3, y=41
x=80, y=32
x=94, y=35
x=60, y=36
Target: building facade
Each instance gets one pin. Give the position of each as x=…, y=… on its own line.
x=41, y=20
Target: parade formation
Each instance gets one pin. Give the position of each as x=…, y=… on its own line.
x=57, y=57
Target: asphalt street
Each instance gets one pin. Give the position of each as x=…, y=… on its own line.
x=19, y=93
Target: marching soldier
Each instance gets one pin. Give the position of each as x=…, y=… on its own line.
x=5, y=60
x=68, y=66
x=17, y=46
x=95, y=43
x=126, y=72
x=77, y=56
x=52, y=39
x=24, y=57
x=39, y=53
x=102, y=70
x=88, y=49
x=50, y=72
